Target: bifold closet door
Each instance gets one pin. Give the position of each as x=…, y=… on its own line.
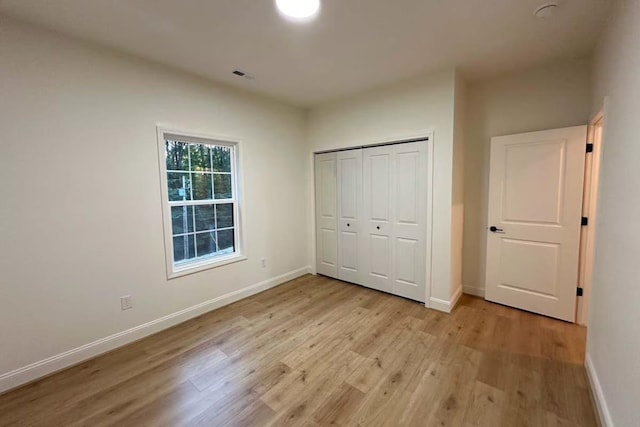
x=377, y=236
x=349, y=165
x=326, y=214
x=394, y=222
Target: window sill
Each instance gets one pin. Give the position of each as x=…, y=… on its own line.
x=204, y=265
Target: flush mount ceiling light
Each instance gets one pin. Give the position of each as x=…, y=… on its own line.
x=298, y=10
x=545, y=11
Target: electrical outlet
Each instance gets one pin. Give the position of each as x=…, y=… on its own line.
x=125, y=302
x=264, y=263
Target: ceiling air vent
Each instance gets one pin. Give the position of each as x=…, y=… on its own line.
x=244, y=75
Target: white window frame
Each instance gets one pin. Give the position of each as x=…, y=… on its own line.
x=173, y=270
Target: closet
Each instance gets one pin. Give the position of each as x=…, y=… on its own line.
x=371, y=217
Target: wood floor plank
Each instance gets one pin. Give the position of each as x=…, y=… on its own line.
x=340, y=407
x=315, y=387
x=112, y=368
x=316, y=352
x=485, y=406
x=171, y=409
x=456, y=380
x=125, y=397
x=378, y=365
x=389, y=393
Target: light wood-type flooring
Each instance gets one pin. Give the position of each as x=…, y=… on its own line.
x=319, y=352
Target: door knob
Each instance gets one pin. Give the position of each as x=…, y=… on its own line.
x=495, y=229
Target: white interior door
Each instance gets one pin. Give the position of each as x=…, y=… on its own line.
x=394, y=226
x=535, y=209
x=349, y=167
x=326, y=215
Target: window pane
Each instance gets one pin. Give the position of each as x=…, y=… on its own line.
x=182, y=219
x=205, y=218
x=200, y=157
x=222, y=186
x=200, y=172
x=177, y=155
x=179, y=186
x=201, y=186
x=221, y=159
x=226, y=242
x=183, y=248
x=224, y=213
x=206, y=243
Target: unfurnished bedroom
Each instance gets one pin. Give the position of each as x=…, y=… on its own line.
x=319, y=213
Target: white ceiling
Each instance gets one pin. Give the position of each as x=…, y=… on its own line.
x=353, y=45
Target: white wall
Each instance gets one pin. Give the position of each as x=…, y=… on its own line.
x=80, y=200
x=553, y=96
x=613, y=342
x=457, y=212
x=394, y=112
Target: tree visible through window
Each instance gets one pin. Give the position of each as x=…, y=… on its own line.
x=202, y=200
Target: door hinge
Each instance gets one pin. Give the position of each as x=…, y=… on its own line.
x=579, y=292
x=584, y=221
x=589, y=148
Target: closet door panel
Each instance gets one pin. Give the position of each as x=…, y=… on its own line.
x=409, y=222
x=406, y=260
x=326, y=214
x=348, y=256
x=349, y=164
x=379, y=261
x=407, y=184
x=378, y=237
x=350, y=169
x=379, y=189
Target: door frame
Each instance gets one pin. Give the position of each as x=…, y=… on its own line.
x=595, y=136
x=428, y=136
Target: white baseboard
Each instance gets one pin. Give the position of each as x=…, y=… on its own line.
x=74, y=356
x=456, y=297
x=598, y=395
x=473, y=290
x=444, y=305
